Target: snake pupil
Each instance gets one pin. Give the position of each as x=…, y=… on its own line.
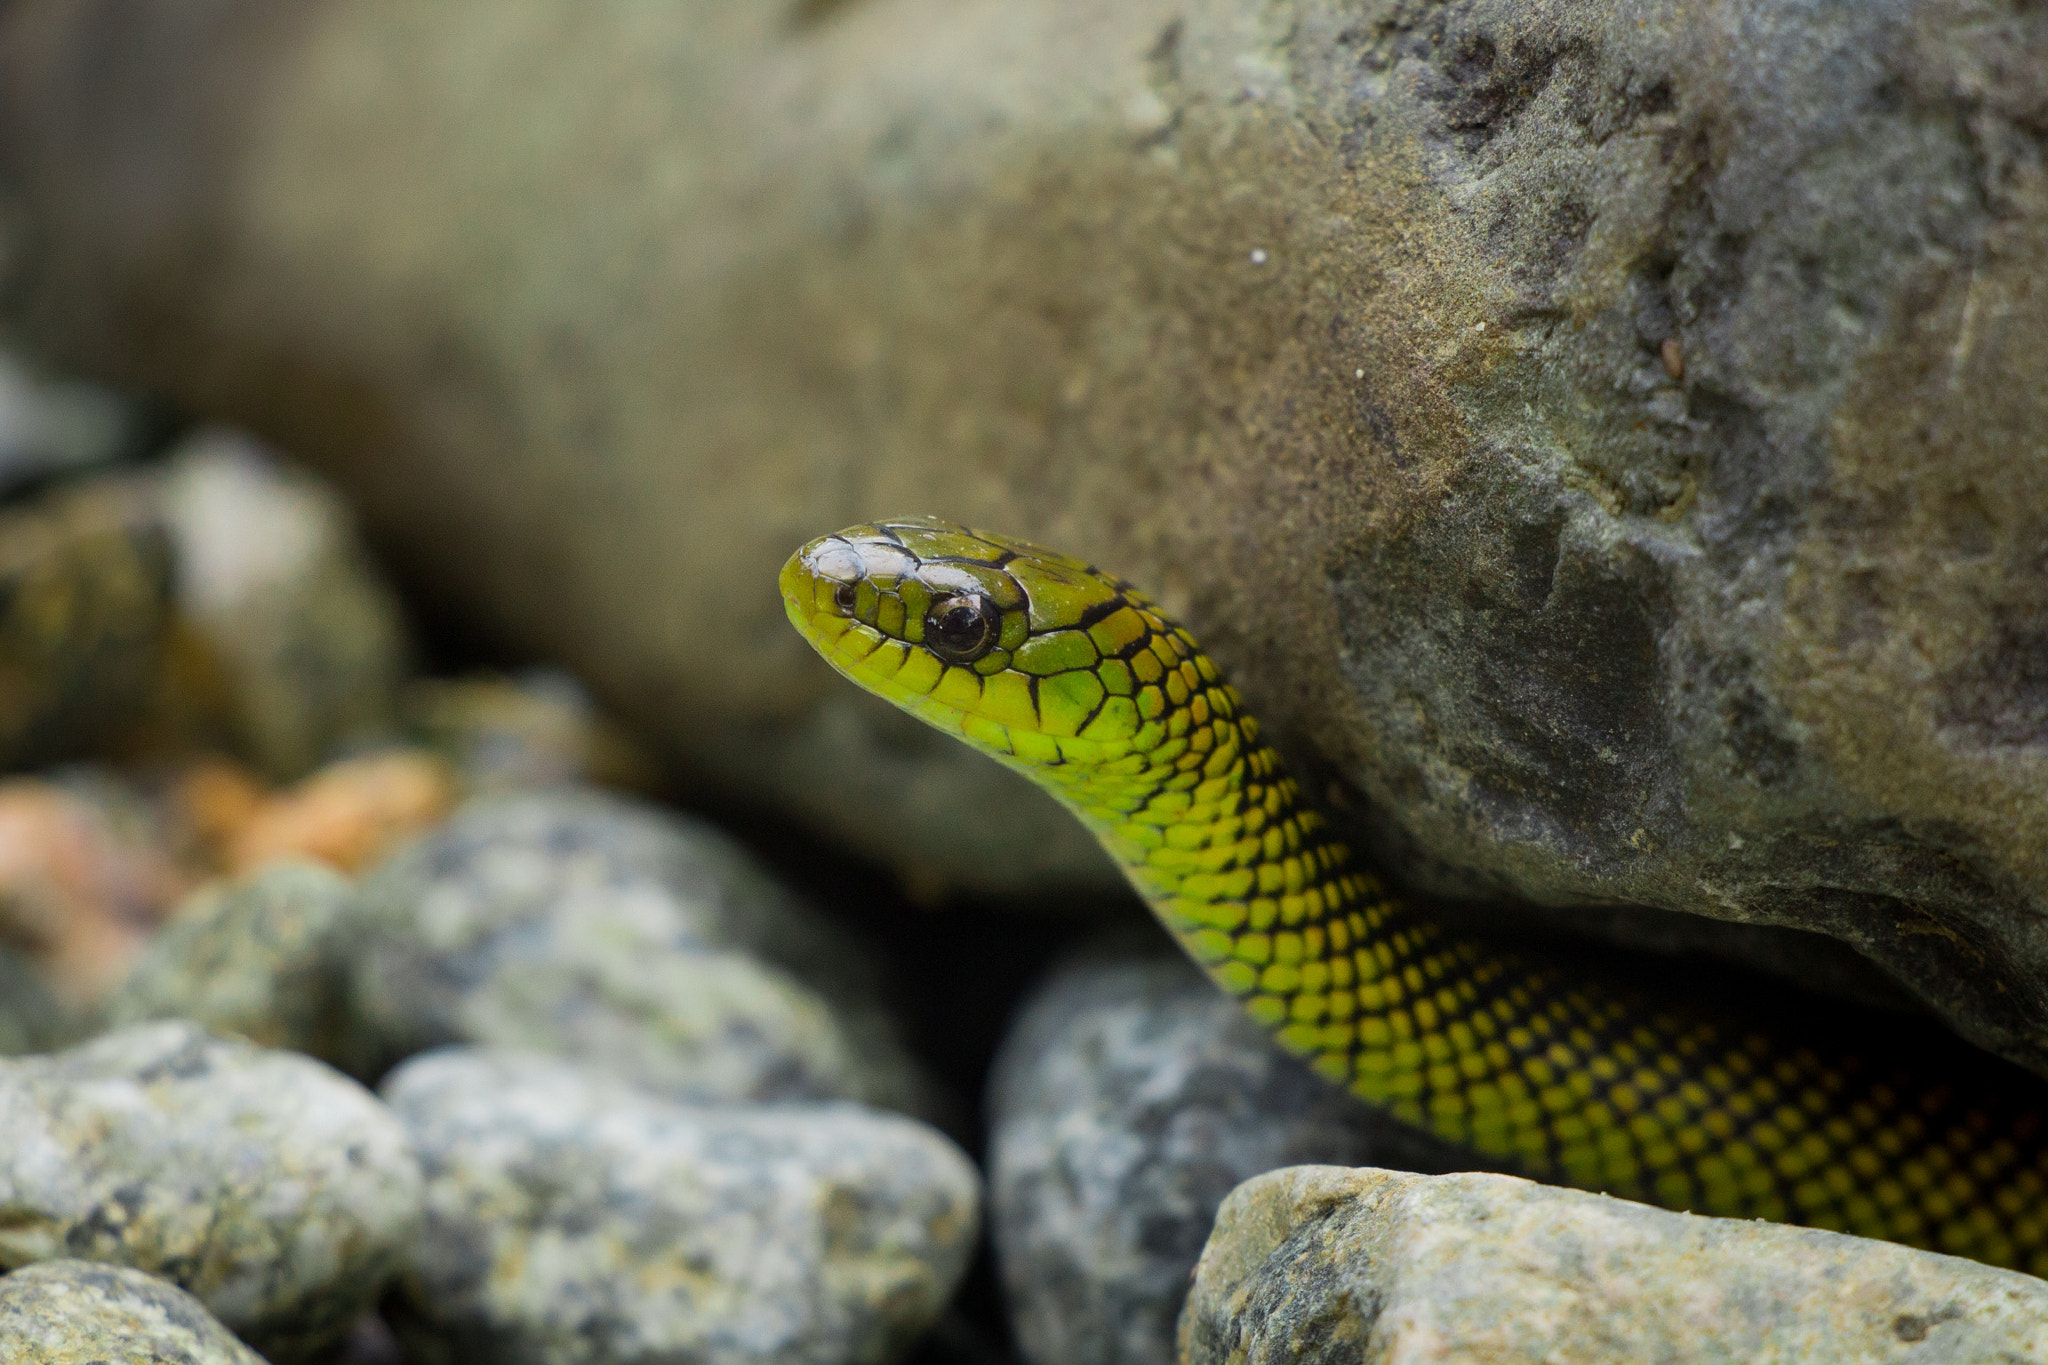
x=960, y=629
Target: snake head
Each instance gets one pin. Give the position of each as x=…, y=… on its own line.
x=1024, y=652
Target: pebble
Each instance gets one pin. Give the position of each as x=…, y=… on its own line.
x=84, y=1313
x=274, y=1190
x=56, y=426
x=572, y=1218
x=81, y=887
x=277, y=591
x=259, y=956
x=85, y=589
x=349, y=814
x=540, y=729
x=1317, y=1265
x=589, y=926
x=1129, y=1099
x=31, y=1019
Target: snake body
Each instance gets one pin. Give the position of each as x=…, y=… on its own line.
x=1543, y=1064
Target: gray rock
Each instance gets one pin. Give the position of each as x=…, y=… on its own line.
x=261, y=956
x=1130, y=1097
x=274, y=1190
x=31, y=1019
x=51, y=426
x=589, y=926
x=1319, y=1265
x=84, y=1313
x=285, y=601
x=572, y=1218
x=85, y=586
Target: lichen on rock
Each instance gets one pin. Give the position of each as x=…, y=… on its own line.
x=1316, y=1265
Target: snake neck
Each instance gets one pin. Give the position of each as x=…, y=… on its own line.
x=1216, y=836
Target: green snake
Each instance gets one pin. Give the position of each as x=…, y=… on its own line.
x=1543, y=1064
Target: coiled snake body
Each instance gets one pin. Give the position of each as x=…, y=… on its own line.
x=1538, y=1063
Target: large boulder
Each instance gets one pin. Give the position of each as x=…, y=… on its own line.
x=1315, y=1265
x=1608, y=437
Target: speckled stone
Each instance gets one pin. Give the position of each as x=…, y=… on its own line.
x=85, y=1313
x=591, y=926
x=1130, y=1097
x=573, y=1220
x=85, y=610
x=259, y=956
x=276, y=1191
x=1317, y=1265
x=280, y=593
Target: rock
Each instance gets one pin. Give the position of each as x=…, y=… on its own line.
x=1319, y=1264
x=85, y=1313
x=349, y=814
x=1130, y=1097
x=572, y=1218
x=588, y=926
x=31, y=1019
x=284, y=601
x=1611, y=440
x=50, y=427
x=519, y=734
x=261, y=957
x=275, y=1191
x=82, y=884
x=84, y=615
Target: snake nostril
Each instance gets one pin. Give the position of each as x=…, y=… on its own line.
x=844, y=596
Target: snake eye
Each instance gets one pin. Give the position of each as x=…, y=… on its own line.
x=960, y=629
x=844, y=596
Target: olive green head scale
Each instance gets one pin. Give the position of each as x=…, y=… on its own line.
x=1543, y=1064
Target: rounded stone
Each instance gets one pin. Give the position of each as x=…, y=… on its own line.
x=274, y=1190
x=1129, y=1098
x=572, y=1219
x=260, y=956
x=1317, y=1265
x=72, y=1312
x=85, y=610
x=282, y=598
x=586, y=925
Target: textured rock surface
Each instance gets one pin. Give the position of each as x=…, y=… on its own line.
x=573, y=1219
x=85, y=584
x=1318, y=1265
x=305, y=635
x=85, y=1313
x=589, y=926
x=274, y=1190
x=261, y=957
x=1129, y=1099
x=1610, y=436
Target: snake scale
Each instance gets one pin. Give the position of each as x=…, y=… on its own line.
x=1541, y=1063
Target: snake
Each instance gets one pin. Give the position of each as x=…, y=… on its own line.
x=1558, y=1065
